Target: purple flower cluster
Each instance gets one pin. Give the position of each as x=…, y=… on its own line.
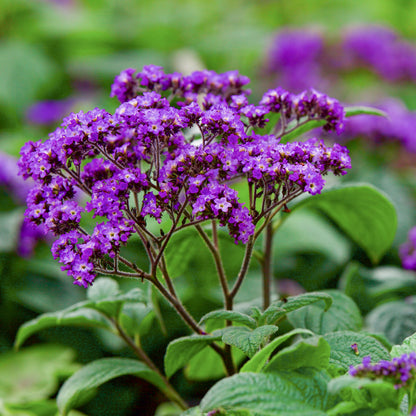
x=157, y=158
x=381, y=50
x=408, y=251
x=400, y=370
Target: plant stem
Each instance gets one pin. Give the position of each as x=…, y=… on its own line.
x=214, y=249
x=170, y=392
x=244, y=268
x=267, y=264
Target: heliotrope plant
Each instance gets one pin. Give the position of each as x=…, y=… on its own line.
x=172, y=156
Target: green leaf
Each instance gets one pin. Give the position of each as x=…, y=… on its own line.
x=257, y=362
x=311, y=261
x=371, y=394
x=279, y=309
x=396, y=320
x=33, y=373
x=364, y=213
x=132, y=317
x=247, y=340
x=93, y=375
x=343, y=356
x=234, y=316
x=78, y=317
x=302, y=129
x=105, y=297
x=355, y=110
x=342, y=315
x=181, y=350
x=310, y=352
x=207, y=365
x=407, y=346
x=268, y=395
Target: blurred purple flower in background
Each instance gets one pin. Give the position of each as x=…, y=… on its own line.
x=408, y=251
x=49, y=112
x=18, y=189
x=296, y=57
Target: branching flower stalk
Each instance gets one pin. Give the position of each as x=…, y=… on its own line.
x=171, y=152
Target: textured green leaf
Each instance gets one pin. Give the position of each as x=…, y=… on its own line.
x=267, y=394
x=234, y=316
x=363, y=212
x=247, y=340
x=93, y=375
x=369, y=394
x=280, y=308
x=33, y=373
x=257, y=362
x=181, y=350
x=396, y=320
x=310, y=352
x=408, y=345
x=342, y=315
x=67, y=317
x=342, y=355
x=355, y=110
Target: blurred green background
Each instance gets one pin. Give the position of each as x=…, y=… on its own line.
x=73, y=49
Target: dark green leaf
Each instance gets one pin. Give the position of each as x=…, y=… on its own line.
x=396, y=320
x=234, y=316
x=364, y=213
x=257, y=362
x=310, y=352
x=342, y=315
x=343, y=356
x=267, y=395
x=247, y=340
x=93, y=375
x=181, y=350
x=78, y=317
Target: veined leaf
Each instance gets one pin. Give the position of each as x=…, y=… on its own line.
x=68, y=317
x=181, y=350
x=93, y=375
x=247, y=340
x=342, y=315
x=257, y=362
x=363, y=212
x=268, y=394
x=310, y=352
x=234, y=316
x=279, y=309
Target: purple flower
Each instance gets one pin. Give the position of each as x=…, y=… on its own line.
x=408, y=251
x=400, y=370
